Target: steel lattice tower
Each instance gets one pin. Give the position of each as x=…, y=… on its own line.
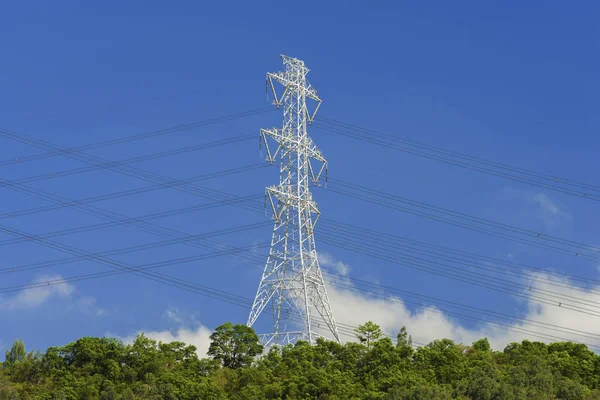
x=292, y=281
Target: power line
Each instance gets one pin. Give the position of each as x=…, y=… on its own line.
x=550, y=182
x=439, y=252
x=147, y=246
x=120, y=194
x=153, y=265
x=188, y=239
x=375, y=197
x=380, y=241
x=375, y=247
x=115, y=164
x=514, y=229
x=64, y=151
x=134, y=248
x=130, y=220
x=362, y=239
x=207, y=291
x=507, y=227
x=446, y=275
x=380, y=254
x=443, y=311
x=104, y=214
x=379, y=287
x=345, y=229
x=66, y=204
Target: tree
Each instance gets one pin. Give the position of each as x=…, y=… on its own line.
x=106, y=369
x=482, y=345
x=16, y=353
x=234, y=346
x=403, y=339
x=368, y=333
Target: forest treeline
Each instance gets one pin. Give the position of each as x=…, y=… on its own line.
x=374, y=367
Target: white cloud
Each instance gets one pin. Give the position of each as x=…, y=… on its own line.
x=429, y=323
x=47, y=288
x=545, y=203
x=539, y=205
x=199, y=337
x=327, y=261
x=188, y=330
x=87, y=305
x=34, y=297
x=172, y=314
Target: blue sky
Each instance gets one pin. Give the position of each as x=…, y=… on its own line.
x=512, y=82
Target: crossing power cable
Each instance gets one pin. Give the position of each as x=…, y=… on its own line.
x=389, y=246
x=59, y=150
x=343, y=228
x=458, y=277
x=471, y=281
x=114, y=164
x=522, y=175
x=21, y=137
x=183, y=284
x=126, y=268
x=130, y=220
x=367, y=191
x=545, y=236
x=475, y=219
x=463, y=279
x=376, y=288
x=120, y=194
x=511, y=228
x=392, y=201
x=54, y=234
x=168, y=263
x=443, y=311
x=147, y=246
x=145, y=226
x=505, y=286
x=124, y=170
x=441, y=252
x=480, y=281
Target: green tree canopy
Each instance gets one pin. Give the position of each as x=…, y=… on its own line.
x=235, y=346
x=368, y=333
x=374, y=368
x=16, y=353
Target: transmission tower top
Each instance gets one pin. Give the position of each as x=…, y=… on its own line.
x=292, y=281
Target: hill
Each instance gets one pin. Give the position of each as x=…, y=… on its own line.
x=372, y=368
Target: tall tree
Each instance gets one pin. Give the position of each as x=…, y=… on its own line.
x=16, y=353
x=368, y=333
x=234, y=346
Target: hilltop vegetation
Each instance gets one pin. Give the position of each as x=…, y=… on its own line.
x=374, y=368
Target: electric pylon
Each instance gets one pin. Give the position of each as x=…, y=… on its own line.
x=292, y=281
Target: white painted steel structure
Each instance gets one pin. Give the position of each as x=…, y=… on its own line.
x=292, y=281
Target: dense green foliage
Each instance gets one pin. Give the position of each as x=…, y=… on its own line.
x=373, y=368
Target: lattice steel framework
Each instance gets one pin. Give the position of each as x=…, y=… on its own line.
x=292, y=281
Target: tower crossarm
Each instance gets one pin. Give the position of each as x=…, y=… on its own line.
x=290, y=142
x=281, y=198
x=289, y=80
